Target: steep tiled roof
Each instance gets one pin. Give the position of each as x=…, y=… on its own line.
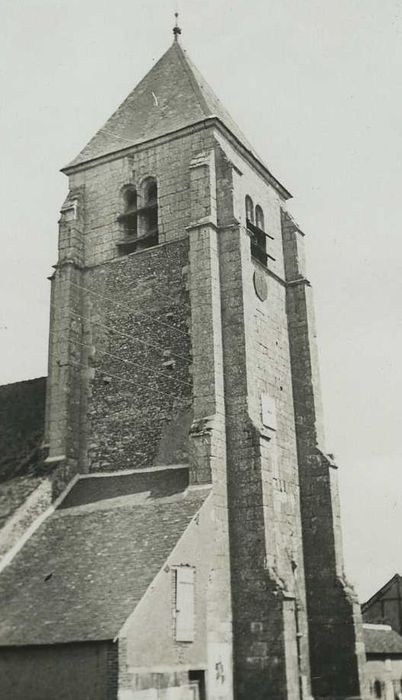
x=381, y=640
x=84, y=570
x=22, y=415
x=171, y=96
x=13, y=494
x=378, y=594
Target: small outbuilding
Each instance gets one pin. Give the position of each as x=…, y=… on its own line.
x=384, y=661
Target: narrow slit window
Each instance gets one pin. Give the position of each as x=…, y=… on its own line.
x=149, y=214
x=259, y=218
x=256, y=231
x=184, y=600
x=249, y=210
x=377, y=689
x=129, y=220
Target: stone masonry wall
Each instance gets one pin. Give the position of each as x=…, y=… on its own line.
x=137, y=340
x=208, y=435
x=168, y=161
x=270, y=631
x=335, y=629
x=142, y=296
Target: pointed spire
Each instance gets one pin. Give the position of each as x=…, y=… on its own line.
x=176, y=28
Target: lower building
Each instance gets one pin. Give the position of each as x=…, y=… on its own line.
x=384, y=661
x=111, y=593
x=385, y=606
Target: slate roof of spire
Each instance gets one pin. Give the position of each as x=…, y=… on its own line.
x=173, y=95
x=82, y=573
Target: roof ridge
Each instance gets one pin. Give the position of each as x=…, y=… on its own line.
x=184, y=58
x=173, y=95
x=381, y=590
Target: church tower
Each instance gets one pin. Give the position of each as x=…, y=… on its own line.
x=182, y=333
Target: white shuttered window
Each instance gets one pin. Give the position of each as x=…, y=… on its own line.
x=185, y=604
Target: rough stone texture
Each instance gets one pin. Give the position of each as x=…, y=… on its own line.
x=268, y=600
x=146, y=308
x=138, y=344
x=337, y=658
x=135, y=308
x=208, y=436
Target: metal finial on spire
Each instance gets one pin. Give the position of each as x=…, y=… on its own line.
x=176, y=28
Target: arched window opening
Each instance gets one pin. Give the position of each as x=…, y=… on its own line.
x=129, y=220
x=258, y=237
x=130, y=211
x=249, y=210
x=256, y=231
x=149, y=213
x=259, y=218
x=139, y=220
x=377, y=689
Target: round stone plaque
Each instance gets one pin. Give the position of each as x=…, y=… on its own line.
x=260, y=284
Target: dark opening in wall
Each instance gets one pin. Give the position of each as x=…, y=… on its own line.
x=256, y=231
x=129, y=220
x=377, y=689
x=249, y=209
x=149, y=213
x=197, y=680
x=139, y=221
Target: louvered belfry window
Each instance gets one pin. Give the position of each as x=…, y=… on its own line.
x=185, y=576
x=256, y=230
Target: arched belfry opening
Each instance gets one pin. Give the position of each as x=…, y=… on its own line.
x=249, y=210
x=148, y=214
x=139, y=218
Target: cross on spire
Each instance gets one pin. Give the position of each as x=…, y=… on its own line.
x=176, y=28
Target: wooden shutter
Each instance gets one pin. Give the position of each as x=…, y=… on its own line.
x=184, y=604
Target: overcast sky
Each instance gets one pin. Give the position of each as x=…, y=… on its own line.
x=317, y=87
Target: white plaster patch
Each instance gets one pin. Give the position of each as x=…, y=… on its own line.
x=268, y=411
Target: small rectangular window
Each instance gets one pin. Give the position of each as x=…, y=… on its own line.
x=184, y=604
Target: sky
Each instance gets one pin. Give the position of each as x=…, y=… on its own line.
x=316, y=85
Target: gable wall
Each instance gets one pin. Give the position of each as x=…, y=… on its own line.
x=150, y=656
x=387, y=607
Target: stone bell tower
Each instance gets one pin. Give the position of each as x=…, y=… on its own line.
x=182, y=332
